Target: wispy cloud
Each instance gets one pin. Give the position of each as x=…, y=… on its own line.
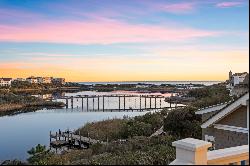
x=179, y=8
x=98, y=32
x=228, y=4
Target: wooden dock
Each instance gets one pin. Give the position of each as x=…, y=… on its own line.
x=98, y=102
x=70, y=139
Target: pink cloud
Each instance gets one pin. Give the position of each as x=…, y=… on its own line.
x=228, y=4
x=179, y=7
x=97, y=32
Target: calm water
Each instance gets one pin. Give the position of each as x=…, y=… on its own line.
x=21, y=132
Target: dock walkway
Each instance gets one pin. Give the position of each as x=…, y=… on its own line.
x=68, y=138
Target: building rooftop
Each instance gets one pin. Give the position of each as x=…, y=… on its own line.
x=6, y=79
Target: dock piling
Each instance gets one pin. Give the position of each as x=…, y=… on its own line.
x=124, y=102
x=103, y=103
x=98, y=98
x=72, y=102
x=87, y=103
x=155, y=102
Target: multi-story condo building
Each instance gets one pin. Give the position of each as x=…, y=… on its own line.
x=5, y=81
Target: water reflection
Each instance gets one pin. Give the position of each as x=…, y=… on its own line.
x=21, y=132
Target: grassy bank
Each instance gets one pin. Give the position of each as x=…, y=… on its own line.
x=10, y=102
x=13, y=106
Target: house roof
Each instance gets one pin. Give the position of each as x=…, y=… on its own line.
x=240, y=74
x=212, y=108
x=6, y=79
x=229, y=108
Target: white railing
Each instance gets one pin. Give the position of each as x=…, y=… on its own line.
x=191, y=151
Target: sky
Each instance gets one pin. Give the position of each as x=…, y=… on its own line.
x=118, y=40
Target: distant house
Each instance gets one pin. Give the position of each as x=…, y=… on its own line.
x=238, y=83
x=39, y=80
x=58, y=81
x=226, y=125
x=141, y=86
x=20, y=79
x=46, y=80
x=32, y=80
x=238, y=78
x=5, y=81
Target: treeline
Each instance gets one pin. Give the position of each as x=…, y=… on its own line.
x=183, y=122
x=10, y=102
x=11, y=98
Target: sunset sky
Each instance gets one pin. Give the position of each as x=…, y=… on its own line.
x=124, y=40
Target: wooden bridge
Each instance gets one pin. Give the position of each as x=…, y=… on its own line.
x=68, y=138
x=143, y=99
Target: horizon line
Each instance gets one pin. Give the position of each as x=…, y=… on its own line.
x=154, y=81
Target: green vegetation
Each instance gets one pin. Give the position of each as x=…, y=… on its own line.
x=135, y=151
x=123, y=128
x=39, y=155
x=12, y=102
x=210, y=95
x=129, y=141
x=184, y=122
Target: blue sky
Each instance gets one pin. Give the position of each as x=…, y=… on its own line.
x=95, y=40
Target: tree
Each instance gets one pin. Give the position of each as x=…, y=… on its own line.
x=183, y=123
x=39, y=155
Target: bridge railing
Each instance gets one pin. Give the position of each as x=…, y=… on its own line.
x=191, y=151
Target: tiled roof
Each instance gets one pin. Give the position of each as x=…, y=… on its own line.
x=215, y=105
x=6, y=79
x=240, y=74
x=229, y=103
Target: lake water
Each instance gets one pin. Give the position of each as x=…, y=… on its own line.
x=21, y=132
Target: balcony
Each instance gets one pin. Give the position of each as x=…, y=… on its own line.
x=191, y=151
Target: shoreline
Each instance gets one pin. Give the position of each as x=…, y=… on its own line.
x=11, y=108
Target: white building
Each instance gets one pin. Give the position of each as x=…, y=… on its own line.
x=20, y=79
x=32, y=80
x=5, y=81
x=47, y=80
x=238, y=78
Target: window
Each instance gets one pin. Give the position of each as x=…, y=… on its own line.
x=212, y=140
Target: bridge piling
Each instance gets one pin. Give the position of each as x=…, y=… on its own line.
x=72, y=102
x=103, y=103
x=150, y=99
x=67, y=103
x=155, y=102
x=82, y=102
x=140, y=102
x=87, y=103
x=124, y=102
x=98, y=100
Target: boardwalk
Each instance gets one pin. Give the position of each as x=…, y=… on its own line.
x=144, y=102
